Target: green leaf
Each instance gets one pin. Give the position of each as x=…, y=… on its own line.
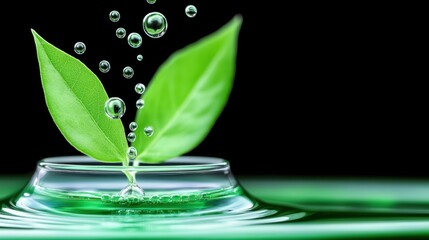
x=187, y=94
x=75, y=98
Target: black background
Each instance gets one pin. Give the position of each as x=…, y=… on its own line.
x=318, y=88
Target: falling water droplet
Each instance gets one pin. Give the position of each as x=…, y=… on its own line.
x=131, y=137
x=139, y=57
x=79, y=47
x=132, y=153
x=191, y=11
x=114, y=16
x=121, y=32
x=140, y=103
x=155, y=24
x=133, y=126
x=128, y=72
x=139, y=88
x=135, y=40
x=114, y=108
x=148, y=131
x=151, y=1
x=104, y=66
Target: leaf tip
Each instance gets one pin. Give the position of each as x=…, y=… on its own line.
x=34, y=32
x=236, y=22
x=238, y=18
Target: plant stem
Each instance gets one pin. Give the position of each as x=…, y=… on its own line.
x=131, y=175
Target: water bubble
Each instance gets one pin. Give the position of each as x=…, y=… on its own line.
x=105, y=197
x=114, y=108
x=175, y=198
x=131, y=137
x=133, y=126
x=191, y=11
x=151, y=1
x=132, y=190
x=104, y=66
x=148, y=131
x=79, y=48
x=114, y=16
x=139, y=57
x=165, y=199
x=132, y=153
x=135, y=40
x=139, y=88
x=128, y=72
x=121, y=32
x=154, y=199
x=140, y=103
x=185, y=198
x=115, y=198
x=155, y=24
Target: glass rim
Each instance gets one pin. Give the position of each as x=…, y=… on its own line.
x=85, y=163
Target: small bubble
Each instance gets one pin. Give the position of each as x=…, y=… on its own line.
x=79, y=48
x=104, y=66
x=139, y=57
x=165, y=199
x=175, y=198
x=105, y=197
x=135, y=40
x=148, y=131
x=133, y=126
x=26, y=194
x=128, y=72
x=155, y=24
x=185, y=198
x=191, y=11
x=140, y=104
x=121, y=32
x=154, y=199
x=151, y=1
x=122, y=200
x=131, y=137
x=139, y=88
x=193, y=197
x=114, y=108
x=205, y=195
x=132, y=153
x=115, y=198
x=132, y=199
x=114, y=16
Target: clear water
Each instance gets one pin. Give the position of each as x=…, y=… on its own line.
x=60, y=210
